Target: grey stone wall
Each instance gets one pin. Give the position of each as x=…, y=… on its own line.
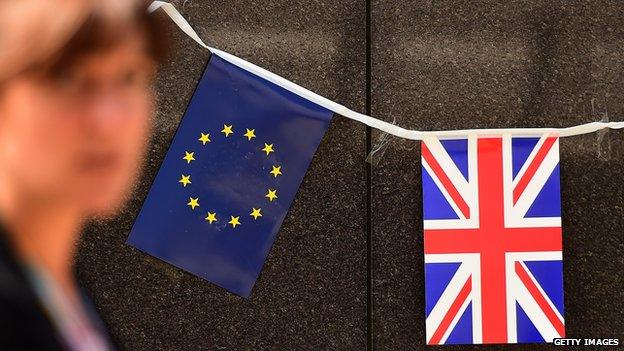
x=434, y=65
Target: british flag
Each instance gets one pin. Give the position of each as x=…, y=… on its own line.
x=492, y=239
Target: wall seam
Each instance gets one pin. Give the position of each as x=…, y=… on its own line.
x=369, y=236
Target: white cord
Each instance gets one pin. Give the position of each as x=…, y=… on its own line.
x=337, y=108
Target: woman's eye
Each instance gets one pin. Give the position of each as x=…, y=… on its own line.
x=134, y=79
x=129, y=78
x=67, y=79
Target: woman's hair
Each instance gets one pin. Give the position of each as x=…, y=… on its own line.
x=48, y=36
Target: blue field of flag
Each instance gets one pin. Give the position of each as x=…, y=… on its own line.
x=229, y=176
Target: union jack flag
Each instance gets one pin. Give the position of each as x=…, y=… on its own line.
x=492, y=240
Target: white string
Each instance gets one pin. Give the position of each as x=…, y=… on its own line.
x=395, y=130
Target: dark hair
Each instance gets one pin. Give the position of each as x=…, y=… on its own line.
x=99, y=33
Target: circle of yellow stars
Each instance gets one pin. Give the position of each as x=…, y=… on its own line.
x=271, y=195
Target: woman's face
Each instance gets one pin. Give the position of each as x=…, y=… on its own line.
x=78, y=139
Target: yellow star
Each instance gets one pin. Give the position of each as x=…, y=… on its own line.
x=194, y=202
x=272, y=195
x=188, y=156
x=211, y=217
x=204, y=138
x=277, y=170
x=185, y=180
x=256, y=213
x=234, y=221
x=250, y=133
x=268, y=148
x=227, y=130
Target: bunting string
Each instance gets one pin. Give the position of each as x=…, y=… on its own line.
x=383, y=126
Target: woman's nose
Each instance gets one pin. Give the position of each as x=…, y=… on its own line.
x=109, y=108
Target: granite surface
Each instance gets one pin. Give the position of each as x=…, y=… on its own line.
x=435, y=65
x=477, y=64
x=310, y=293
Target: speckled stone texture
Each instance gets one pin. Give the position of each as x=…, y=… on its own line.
x=311, y=294
x=477, y=64
x=435, y=65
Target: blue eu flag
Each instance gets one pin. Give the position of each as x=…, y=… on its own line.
x=229, y=176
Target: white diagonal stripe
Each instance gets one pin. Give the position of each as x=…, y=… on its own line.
x=529, y=159
x=536, y=183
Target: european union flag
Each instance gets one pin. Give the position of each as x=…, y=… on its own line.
x=229, y=176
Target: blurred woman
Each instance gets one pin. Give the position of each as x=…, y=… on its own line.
x=75, y=116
